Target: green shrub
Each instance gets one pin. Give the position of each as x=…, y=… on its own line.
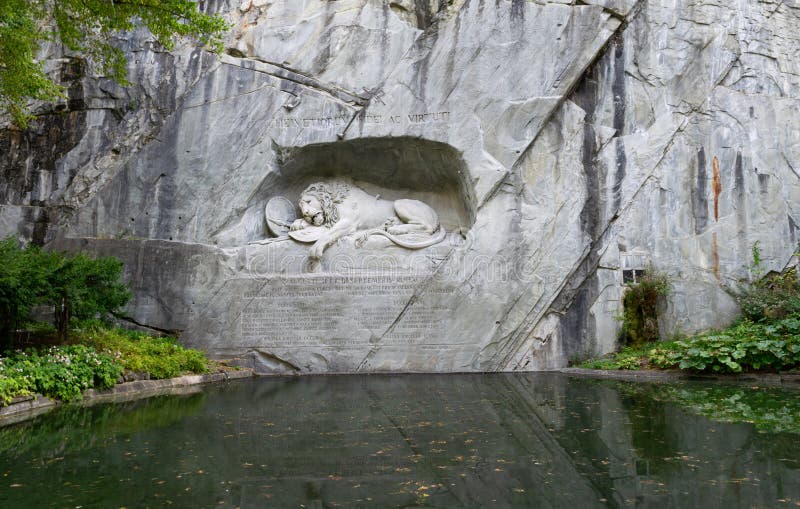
x=23, y=280
x=12, y=386
x=64, y=372
x=772, y=296
x=75, y=285
x=640, y=308
x=60, y=372
x=162, y=357
x=745, y=346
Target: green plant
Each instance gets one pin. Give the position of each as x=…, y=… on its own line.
x=84, y=287
x=601, y=363
x=745, y=346
x=75, y=285
x=770, y=296
x=640, y=308
x=86, y=27
x=162, y=357
x=61, y=372
x=627, y=359
x=23, y=284
x=773, y=296
x=11, y=386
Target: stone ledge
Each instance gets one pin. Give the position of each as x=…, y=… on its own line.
x=25, y=407
x=28, y=407
x=772, y=379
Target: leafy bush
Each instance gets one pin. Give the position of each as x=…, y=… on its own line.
x=164, y=358
x=161, y=357
x=60, y=372
x=746, y=346
x=84, y=287
x=772, y=296
x=23, y=277
x=64, y=372
x=11, y=386
x=76, y=286
x=640, y=308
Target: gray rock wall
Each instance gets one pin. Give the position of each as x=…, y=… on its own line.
x=557, y=142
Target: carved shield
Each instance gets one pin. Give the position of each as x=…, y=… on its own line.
x=280, y=214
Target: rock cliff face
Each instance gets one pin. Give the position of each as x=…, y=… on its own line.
x=558, y=142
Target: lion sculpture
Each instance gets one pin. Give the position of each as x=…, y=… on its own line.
x=333, y=211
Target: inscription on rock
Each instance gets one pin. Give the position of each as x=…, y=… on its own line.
x=324, y=310
x=329, y=122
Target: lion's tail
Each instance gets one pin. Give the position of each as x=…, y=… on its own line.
x=438, y=237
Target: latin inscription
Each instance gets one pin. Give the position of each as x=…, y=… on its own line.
x=341, y=311
x=342, y=120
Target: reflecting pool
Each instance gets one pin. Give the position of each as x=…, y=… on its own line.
x=505, y=440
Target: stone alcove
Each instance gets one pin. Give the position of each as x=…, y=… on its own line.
x=393, y=168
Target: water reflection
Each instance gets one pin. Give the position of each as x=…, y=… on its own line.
x=538, y=440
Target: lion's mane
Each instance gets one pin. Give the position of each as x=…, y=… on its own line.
x=329, y=196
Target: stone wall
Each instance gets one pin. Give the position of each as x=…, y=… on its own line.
x=554, y=140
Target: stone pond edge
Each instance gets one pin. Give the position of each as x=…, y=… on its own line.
x=28, y=407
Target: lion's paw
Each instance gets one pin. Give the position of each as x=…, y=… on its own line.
x=316, y=251
x=298, y=224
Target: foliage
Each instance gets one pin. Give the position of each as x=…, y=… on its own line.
x=743, y=347
x=74, y=285
x=23, y=276
x=21, y=76
x=61, y=372
x=766, y=337
x=772, y=296
x=64, y=372
x=12, y=387
x=746, y=346
x=85, y=26
x=640, y=308
x=83, y=288
x=628, y=358
x=162, y=357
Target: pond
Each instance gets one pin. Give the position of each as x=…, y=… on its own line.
x=501, y=440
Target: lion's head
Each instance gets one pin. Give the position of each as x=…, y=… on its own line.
x=318, y=203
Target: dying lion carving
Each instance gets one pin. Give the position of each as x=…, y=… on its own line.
x=330, y=212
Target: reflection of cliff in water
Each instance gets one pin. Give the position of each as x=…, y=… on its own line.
x=646, y=445
x=503, y=440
